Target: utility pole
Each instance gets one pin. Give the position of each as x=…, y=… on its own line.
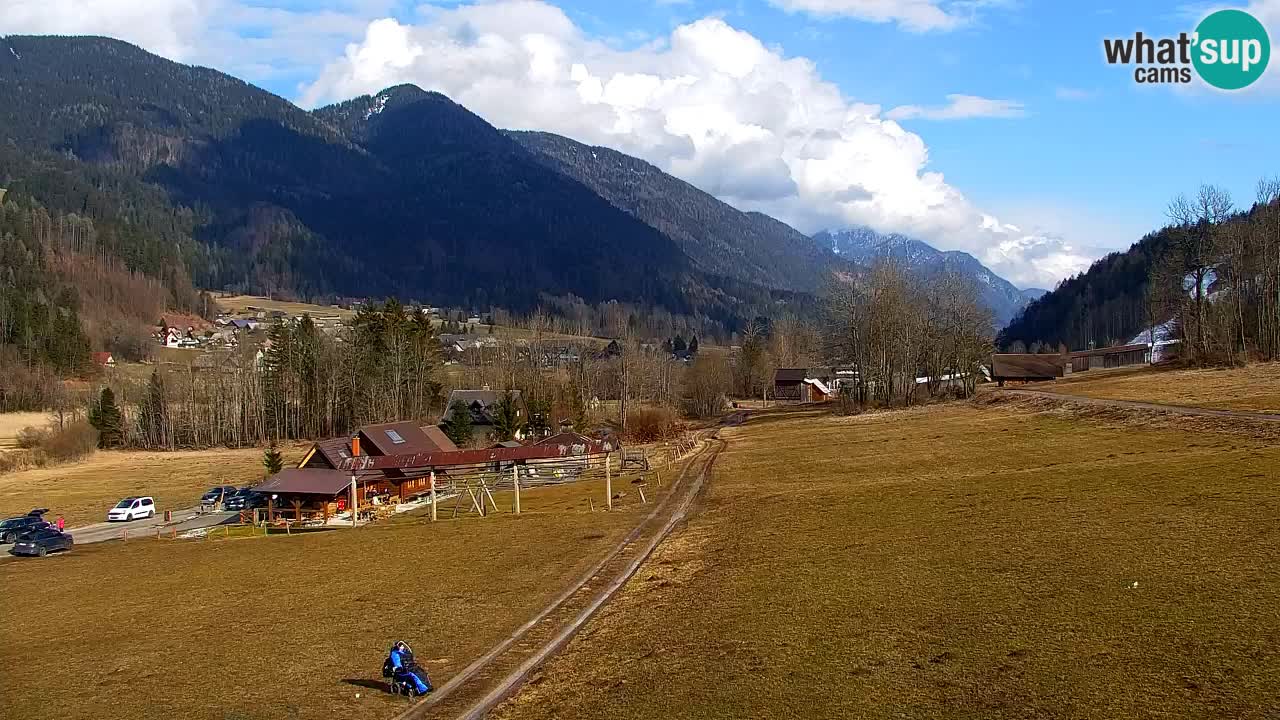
x=608, y=481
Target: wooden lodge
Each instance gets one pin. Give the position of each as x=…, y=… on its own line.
x=398, y=438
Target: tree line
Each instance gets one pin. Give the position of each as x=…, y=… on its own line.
x=1218, y=278
x=1213, y=271
x=303, y=384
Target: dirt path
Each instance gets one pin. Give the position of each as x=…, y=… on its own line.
x=496, y=675
x=1133, y=404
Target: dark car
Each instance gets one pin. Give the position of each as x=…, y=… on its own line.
x=245, y=499
x=215, y=495
x=13, y=527
x=41, y=542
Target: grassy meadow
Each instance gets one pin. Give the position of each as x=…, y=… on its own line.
x=1255, y=388
x=959, y=561
x=286, y=626
x=84, y=490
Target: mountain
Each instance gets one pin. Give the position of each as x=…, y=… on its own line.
x=864, y=246
x=401, y=193
x=720, y=239
x=1104, y=305
x=1033, y=294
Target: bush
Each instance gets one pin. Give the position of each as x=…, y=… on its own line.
x=52, y=444
x=651, y=425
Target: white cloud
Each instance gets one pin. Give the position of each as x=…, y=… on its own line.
x=710, y=104
x=913, y=15
x=163, y=26
x=960, y=107
x=236, y=36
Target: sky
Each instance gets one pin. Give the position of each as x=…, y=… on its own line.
x=990, y=126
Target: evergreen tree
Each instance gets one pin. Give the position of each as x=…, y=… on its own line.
x=105, y=416
x=693, y=346
x=458, y=426
x=507, y=422
x=678, y=347
x=578, y=410
x=153, y=414
x=272, y=459
x=539, y=417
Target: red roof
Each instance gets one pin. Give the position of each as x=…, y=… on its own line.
x=103, y=358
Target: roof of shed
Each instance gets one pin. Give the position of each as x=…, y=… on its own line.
x=309, y=481
x=1027, y=365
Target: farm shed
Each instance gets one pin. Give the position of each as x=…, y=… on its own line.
x=1027, y=367
x=802, y=384
x=1110, y=357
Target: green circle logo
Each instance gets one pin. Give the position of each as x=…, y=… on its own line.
x=1231, y=49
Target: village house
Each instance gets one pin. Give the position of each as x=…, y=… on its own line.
x=481, y=404
x=104, y=359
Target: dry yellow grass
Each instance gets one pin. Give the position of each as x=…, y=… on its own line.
x=283, y=627
x=241, y=303
x=949, y=562
x=1255, y=388
x=83, y=491
x=13, y=423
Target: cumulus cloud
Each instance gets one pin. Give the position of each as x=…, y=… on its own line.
x=163, y=26
x=257, y=41
x=710, y=104
x=960, y=107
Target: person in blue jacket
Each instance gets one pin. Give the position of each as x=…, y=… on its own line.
x=404, y=671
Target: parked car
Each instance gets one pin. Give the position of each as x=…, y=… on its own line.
x=132, y=508
x=245, y=499
x=216, y=495
x=11, y=528
x=41, y=542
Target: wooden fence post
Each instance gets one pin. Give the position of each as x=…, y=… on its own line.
x=515, y=478
x=433, y=496
x=608, y=482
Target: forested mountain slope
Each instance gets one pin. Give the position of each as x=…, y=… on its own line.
x=720, y=239
x=404, y=193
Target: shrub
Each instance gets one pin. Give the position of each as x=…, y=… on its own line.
x=53, y=444
x=651, y=425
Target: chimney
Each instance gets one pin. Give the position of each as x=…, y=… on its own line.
x=355, y=446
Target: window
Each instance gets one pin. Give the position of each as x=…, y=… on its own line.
x=395, y=437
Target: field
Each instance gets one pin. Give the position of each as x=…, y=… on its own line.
x=13, y=423
x=241, y=303
x=1255, y=388
x=285, y=626
x=960, y=561
x=83, y=491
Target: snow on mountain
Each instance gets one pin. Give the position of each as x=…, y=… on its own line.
x=864, y=245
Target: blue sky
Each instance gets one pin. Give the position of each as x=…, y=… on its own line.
x=1058, y=156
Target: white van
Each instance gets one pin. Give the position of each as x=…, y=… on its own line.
x=132, y=508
